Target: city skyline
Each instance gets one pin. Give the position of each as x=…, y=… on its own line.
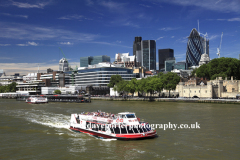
x=33, y=31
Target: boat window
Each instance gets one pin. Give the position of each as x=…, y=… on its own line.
x=122, y=116
x=103, y=128
x=123, y=130
x=99, y=126
x=129, y=130
x=117, y=130
x=135, y=130
x=112, y=131
x=87, y=125
x=130, y=116
x=140, y=129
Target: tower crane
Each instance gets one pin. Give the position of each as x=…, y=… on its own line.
x=64, y=57
x=218, y=49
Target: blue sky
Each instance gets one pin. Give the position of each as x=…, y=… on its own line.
x=33, y=30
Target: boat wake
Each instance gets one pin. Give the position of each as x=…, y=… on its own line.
x=42, y=117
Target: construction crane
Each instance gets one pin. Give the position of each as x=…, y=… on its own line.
x=64, y=55
x=218, y=49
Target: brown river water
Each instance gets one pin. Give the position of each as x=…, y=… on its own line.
x=41, y=131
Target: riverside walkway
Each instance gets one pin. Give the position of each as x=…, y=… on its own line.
x=191, y=100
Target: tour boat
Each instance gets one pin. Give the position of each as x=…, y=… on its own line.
x=36, y=100
x=123, y=126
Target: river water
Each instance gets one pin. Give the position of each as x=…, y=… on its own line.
x=29, y=131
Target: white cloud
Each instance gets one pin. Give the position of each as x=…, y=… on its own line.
x=27, y=5
x=5, y=44
x=168, y=29
x=172, y=36
x=230, y=19
x=183, y=39
x=8, y=58
x=10, y=15
x=112, y=5
x=147, y=6
x=28, y=44
x=159, y=38
x=72, y=17
x=66, y=43
x=220, y=6
x=31, y=32
x=213, y=37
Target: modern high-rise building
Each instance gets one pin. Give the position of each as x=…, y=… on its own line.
x=169, y=64
x=149, y=54
x=137, y=49
x=163, y=55
x=145, y=52
x=85, y=61
x=196, y=46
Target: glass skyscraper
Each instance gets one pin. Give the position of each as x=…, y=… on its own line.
x=145, y=52
x=85, y=61
x=196, y=46
x=149, y=54
x=163, y=55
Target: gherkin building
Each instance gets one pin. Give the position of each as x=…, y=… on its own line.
x=195, y=48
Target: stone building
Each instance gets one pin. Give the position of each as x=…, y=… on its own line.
x=218, y=88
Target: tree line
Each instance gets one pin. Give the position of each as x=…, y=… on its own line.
x=9, y=88
x=145, y=85
x=219, y=67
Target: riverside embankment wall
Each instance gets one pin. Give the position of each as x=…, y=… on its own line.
x=191, y=100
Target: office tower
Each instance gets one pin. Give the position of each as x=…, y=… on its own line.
x=149, y=54
x=145, y=53
x=99, y=59
x=85, y=61
x=137, y=50
x=163, y=55
x=63, y=65
x=196, y=46
x=169, y=64
x=180, y=65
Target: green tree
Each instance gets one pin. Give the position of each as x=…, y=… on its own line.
x=57, y=91
x=9, y=88
x=149, y=88
x=132, y=86
x=220, y=66
x=157, y=84
x=141, y=85
x=202, y=71
x=170, y=81
x=223, y=75
x=114, y=80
